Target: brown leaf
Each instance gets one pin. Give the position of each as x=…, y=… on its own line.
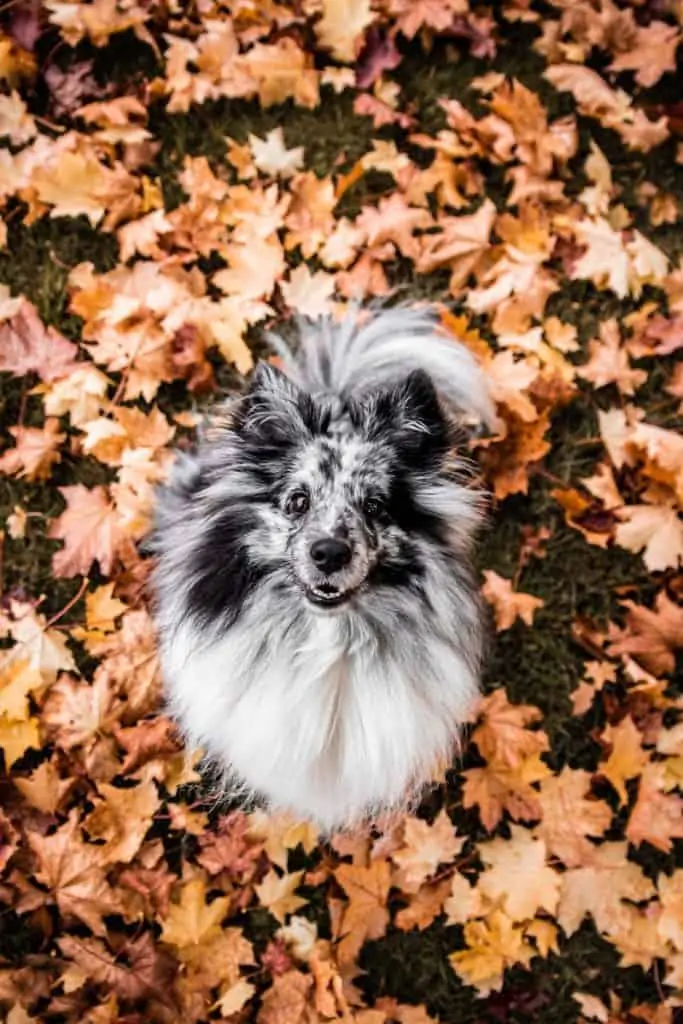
x=651, y=636
x=657, y=817
x=26, y=346
x=568, y=817
x=35, y=451
x=286, y=1001
x=137, y=971
x=366, y=915
x=73, y=873
x=90, y=530
x=424, y=848
x=508, y=605
x=122, y=818
x=192, y=920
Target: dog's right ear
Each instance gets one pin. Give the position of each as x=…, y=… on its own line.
x=274, y=412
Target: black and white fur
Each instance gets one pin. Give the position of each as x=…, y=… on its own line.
x=320, y=627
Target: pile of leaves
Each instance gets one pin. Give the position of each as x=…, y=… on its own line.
x=175, y=177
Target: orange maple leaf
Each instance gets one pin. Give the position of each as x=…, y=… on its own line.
x=509, y=605
x=90, y=531
x=35, y=452
x=366, y=916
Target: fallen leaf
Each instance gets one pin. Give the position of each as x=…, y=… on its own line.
x=491, y=946
x=517, y=876
x=424, y=848
x=89, y=529
x=192, y=921
x=508, y=605
x=277, y=893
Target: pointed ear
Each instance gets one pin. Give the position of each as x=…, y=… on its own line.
x=274, y=411
x=410, y=417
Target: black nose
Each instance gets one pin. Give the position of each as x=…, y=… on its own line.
x=330, y=554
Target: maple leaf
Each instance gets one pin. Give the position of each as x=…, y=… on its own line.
x=670, y=892
x=609, y=362
x=35, y=452
x=146, y=741
x=460, y=245
x=341, y=27
x=653, y=54
x=228, y=847
x=651, y=636
x=627, y=757
x=192, y=921
x=89, y=529
x=137, y=971
x=283, y=71
x=102, y=608
x=657, y=817
x=75, y=713
x=655, y=530
x=508, y=463
x=277, y=893
x=599, y=889
x=73, y=185
x=26, y=346
x=508, y=605
x=122, y=818
x=464, y=902
x=568, y=817
x=286, y=1001
x=492, y=945
x=509, y=379
x=235, y=998
x=272, y=156
x=502, y=735
x=496, y=788
x=606, y=260
x=43, y=648
x=424, y=906
x=45, y=789
x=393, y=220
x=366, y=915
x=16, y=737
x=73, y=873
x=517, y=876
x=309, y=294
x=17, y=681
x=424, y=848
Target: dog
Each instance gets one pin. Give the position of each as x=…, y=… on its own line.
x=320, y=626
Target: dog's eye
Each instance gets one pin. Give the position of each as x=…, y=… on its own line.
x=374, y=507
x=297, y=503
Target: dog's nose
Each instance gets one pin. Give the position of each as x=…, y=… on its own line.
x=330, y=554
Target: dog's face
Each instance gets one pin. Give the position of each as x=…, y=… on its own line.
x=340, y=510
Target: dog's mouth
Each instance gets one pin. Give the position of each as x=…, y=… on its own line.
x=326, y=595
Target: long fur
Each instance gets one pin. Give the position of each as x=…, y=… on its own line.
x=331, y=711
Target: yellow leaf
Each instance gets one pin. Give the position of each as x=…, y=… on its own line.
x=517, y=875
x=492, y=946
x=18, y=737
x=627, y=758
x=276, y=892
x=341, y=27
x=508, y=605
x=192, y=920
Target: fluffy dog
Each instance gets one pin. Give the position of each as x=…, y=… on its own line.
x=319, y=623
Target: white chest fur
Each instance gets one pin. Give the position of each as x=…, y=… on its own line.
x=317, y=715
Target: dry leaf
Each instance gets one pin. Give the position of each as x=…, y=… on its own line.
x=508, y=605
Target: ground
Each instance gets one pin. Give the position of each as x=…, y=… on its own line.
x=538, y=664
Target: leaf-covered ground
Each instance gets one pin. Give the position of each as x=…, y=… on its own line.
x=175, y=177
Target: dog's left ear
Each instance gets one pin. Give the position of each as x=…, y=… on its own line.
x=409, y=415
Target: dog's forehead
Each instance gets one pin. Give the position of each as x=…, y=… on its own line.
x=346, y=461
